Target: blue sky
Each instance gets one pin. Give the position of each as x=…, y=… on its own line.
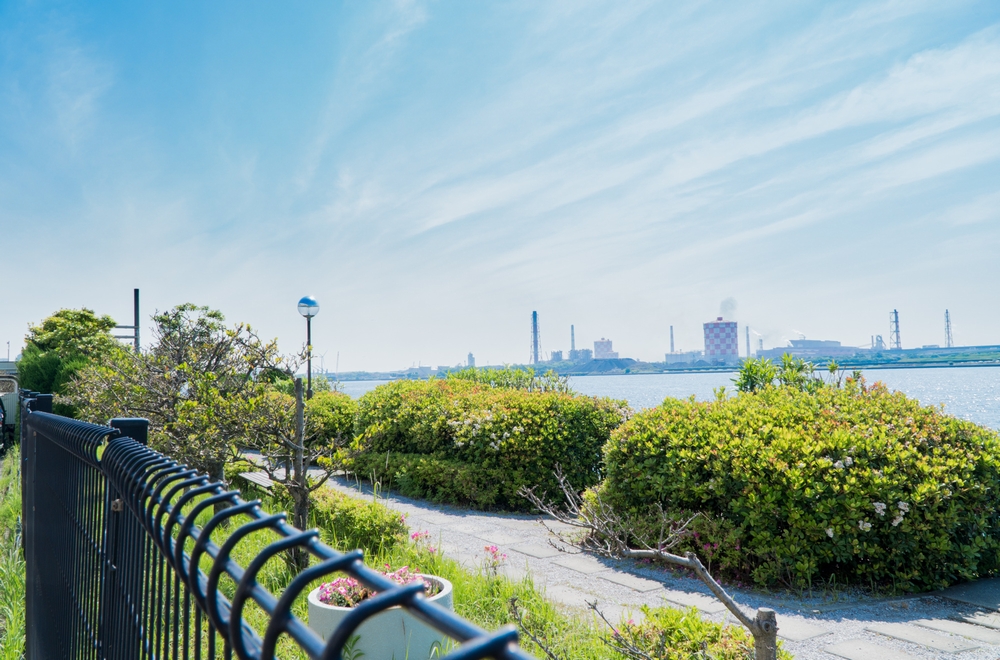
x=434, y=171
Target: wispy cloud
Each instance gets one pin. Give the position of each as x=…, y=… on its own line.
x=433, y=165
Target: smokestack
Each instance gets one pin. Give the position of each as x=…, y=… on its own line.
x=671, y=339
x=572, y=338
x=748, y=341
x=534, y=338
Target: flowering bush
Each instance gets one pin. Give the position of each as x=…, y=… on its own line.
x=348, y=592
x=470, y=443
x=856, y=482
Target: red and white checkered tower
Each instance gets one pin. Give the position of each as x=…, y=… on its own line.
x=722, y=342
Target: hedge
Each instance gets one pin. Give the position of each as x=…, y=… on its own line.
x=856, y=485
x=472, y=444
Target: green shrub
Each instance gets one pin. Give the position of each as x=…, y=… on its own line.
x=467, y=443
x=330, y=416
x=514, y=378
x=857, y=484
x=348, y=523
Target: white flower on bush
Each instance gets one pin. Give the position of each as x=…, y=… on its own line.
x=904, y=507
x=880, y=508
x=864, y=525
x=848, y=461
x=829, y=532
x=898, y=519
x=839, y=465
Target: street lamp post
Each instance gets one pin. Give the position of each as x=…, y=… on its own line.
x=308, y=307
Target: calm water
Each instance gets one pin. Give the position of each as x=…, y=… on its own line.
x=969, y=393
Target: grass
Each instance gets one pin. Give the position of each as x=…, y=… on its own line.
x=11, y=563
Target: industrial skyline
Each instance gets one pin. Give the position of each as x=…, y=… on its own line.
x=721, y=344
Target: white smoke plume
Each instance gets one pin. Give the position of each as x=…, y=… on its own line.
x=727, y=309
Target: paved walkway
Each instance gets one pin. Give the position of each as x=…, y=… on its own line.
x=963, y=620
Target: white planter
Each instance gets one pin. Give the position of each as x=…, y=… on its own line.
x=392, y=634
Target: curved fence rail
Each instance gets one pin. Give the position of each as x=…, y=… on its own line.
x=118, y=567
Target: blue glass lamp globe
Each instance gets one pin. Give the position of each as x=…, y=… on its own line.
x=308, y=307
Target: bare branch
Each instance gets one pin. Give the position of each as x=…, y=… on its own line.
x=611, y=535
x=618, y=642
x=516, y=614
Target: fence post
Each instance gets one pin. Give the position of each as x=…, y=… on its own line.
x=136, y=428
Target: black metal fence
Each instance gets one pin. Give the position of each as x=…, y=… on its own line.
x=114, y=559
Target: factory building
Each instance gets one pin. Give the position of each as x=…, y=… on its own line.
x=810, y=349
x=683, y=357
x=581, y=355
x=722, y=343
x=556, y=356
x=602, y=350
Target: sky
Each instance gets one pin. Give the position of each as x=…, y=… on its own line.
x=432, y=172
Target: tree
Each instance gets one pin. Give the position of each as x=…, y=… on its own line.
x=289, y=436
x=214, y=394
x=192, y=385
x=57, y=349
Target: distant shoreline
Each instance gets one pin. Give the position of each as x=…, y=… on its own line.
x=708, y=370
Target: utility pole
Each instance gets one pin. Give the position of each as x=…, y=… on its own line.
x=135, y=322
x=300, y=485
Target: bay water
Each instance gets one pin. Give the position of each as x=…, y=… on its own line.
x=971, y=393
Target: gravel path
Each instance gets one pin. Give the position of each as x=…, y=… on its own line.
x=926, y=626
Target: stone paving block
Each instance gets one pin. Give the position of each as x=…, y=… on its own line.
x=498, y=537
x=513, y=572
x=569, y=596
x=859, y=649
x=470, y=528
x=581, y=563
x=705, y=603
x=981, y=593
x=467, y=560
x=435, y=518
x=921, y=636
x=988, y=619
x=797, y=630
x=536, y=550
x=642, y=585
x=978, y=633
x=517, y=523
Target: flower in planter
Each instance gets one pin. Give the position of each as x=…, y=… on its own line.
x=348, y=592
